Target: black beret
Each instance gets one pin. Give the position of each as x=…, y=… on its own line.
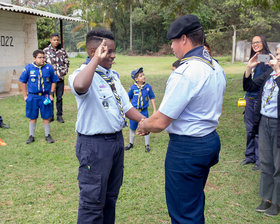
x=183, y=25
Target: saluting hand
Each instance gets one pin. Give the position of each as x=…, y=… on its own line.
x=101, y=51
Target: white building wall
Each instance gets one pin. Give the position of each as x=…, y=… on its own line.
x=18, y=39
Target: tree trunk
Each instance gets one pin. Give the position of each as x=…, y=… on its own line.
x=130, y=28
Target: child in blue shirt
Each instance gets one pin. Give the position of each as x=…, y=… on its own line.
x=139, y=94
x=38, y=85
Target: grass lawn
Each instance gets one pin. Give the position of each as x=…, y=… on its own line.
x=38, y=182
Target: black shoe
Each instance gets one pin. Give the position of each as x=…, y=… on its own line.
x=49, y=139
x=263, y=206
x=273, y=210
x=128, y=147
x=2, y=125
x=147, y=148
x=256, y=167
x=60, y=119
x=51, y=119
x=245, y=162
x=30, y=139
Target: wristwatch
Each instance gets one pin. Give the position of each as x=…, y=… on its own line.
x=51, y=93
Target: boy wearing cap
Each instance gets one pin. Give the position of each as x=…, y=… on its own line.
x=38, y=85
x=139, y=94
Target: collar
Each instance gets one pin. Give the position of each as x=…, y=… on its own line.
x=198, y=53
x=99, y=68
x=138, y=86
x=37, y=65
x=57, y=48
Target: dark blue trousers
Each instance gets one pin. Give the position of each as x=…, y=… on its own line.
x=101, y=159
x=187, y=165
x=252, y=149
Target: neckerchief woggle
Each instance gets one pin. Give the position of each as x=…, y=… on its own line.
x=110, y=81
x=200, y=54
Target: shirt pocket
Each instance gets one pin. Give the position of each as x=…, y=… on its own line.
x=107, y=99
x=47, y=78
x=33, y=83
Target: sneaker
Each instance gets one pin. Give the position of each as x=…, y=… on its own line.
x=256, y=167
x=60, y=119
x=51, y=119
x=30, y=139
x=2, y=125
x=273, y=210
x=147, y=148
x=263, y=206
x=245, y=162
x=128, y=147
x=49, y=139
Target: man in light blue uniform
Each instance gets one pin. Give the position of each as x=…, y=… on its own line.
x=102, y=106
x=189, y=111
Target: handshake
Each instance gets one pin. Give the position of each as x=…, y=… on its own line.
x=141, y=128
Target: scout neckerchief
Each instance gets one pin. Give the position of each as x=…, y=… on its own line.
x=198, y=53
x=140, y=96
x=40, y=81
x=110, y=81
x=272, y=79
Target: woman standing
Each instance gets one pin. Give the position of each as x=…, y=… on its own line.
x=267, y=124
x=259, y=45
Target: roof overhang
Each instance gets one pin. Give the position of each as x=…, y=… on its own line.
x=35, y=12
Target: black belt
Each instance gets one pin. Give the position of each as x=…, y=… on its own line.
x=39, y=94
x=106, y=136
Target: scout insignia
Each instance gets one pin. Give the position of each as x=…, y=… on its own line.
x=47, y=79
x=105, y=104
x=33, y=79
x=32, y=72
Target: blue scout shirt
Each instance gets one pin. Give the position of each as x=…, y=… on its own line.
x=98, y=110
x=30, y=75
x=147, y=93
x=194, y=95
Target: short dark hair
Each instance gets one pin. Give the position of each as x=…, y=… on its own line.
x=176, y=64
x=97, y=35
x=54, y=35
x=36, y=52
x=196, y=37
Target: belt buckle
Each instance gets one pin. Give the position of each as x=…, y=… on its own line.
x=40, y=94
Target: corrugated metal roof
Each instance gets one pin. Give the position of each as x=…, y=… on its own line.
x=19, y=9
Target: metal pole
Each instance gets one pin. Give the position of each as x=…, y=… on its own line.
x=61, y=33
x=233, y=43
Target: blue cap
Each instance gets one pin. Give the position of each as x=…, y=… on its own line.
x=135, y=72
x=183, y=25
